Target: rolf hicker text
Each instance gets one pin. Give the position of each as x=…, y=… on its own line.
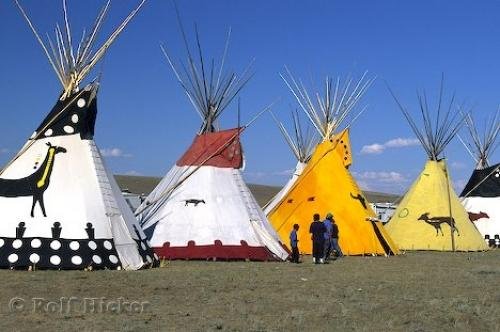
x=72, y=304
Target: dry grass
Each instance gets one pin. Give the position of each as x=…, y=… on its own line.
x=414, y=292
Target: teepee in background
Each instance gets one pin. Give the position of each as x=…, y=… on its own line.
x=302, y=145
x=60, y=208
x=481, y=195
x=325, y=184
x=430, y=216
x=202, y=208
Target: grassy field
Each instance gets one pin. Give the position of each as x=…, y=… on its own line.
x=423, y=291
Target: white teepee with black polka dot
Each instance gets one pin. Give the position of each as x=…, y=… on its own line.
x=60, y=208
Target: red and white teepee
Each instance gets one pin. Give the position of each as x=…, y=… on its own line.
x=202, y=209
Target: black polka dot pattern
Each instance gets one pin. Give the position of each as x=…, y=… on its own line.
x=74, y=115
x=147, y=253
x=67, y=254
x=493, y=241
x=64, y=254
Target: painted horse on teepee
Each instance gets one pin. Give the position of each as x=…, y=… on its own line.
x=89, y=224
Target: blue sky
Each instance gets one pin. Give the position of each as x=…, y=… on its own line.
x=145, y=121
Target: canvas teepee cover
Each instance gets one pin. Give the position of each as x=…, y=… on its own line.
x=481, y=199
x=60, y=206
x=202, y=208
x=302, y=145
x=481, y=195
x=430, y=211
x=326, y=185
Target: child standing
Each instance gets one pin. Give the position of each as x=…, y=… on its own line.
x=294, y=244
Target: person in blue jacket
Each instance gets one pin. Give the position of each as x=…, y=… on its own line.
x=328, y=236
x=294, y=244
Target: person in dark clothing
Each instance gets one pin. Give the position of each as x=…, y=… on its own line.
x=335, y=239
x=317, y=230
x=328, y=236
x=294, y=244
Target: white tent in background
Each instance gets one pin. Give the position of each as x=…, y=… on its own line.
x=302, y=145
x=481, y=195
x=60, y=206
x=202, y=208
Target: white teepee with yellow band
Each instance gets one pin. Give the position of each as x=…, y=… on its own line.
x=60, y=206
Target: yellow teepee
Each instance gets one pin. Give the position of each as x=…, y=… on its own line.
x=430, y=216
x=325, y=186
x=422, y=222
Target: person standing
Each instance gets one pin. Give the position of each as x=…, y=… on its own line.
x=328, y=236
x=294, y=244
x=317, y=229
x=335, y=239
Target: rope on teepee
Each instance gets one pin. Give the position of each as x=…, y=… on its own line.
x=169, y=191
x=39, y=133
x=481, y=182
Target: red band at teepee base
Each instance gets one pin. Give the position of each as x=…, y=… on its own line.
x=216, y=251
x=219, y=149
